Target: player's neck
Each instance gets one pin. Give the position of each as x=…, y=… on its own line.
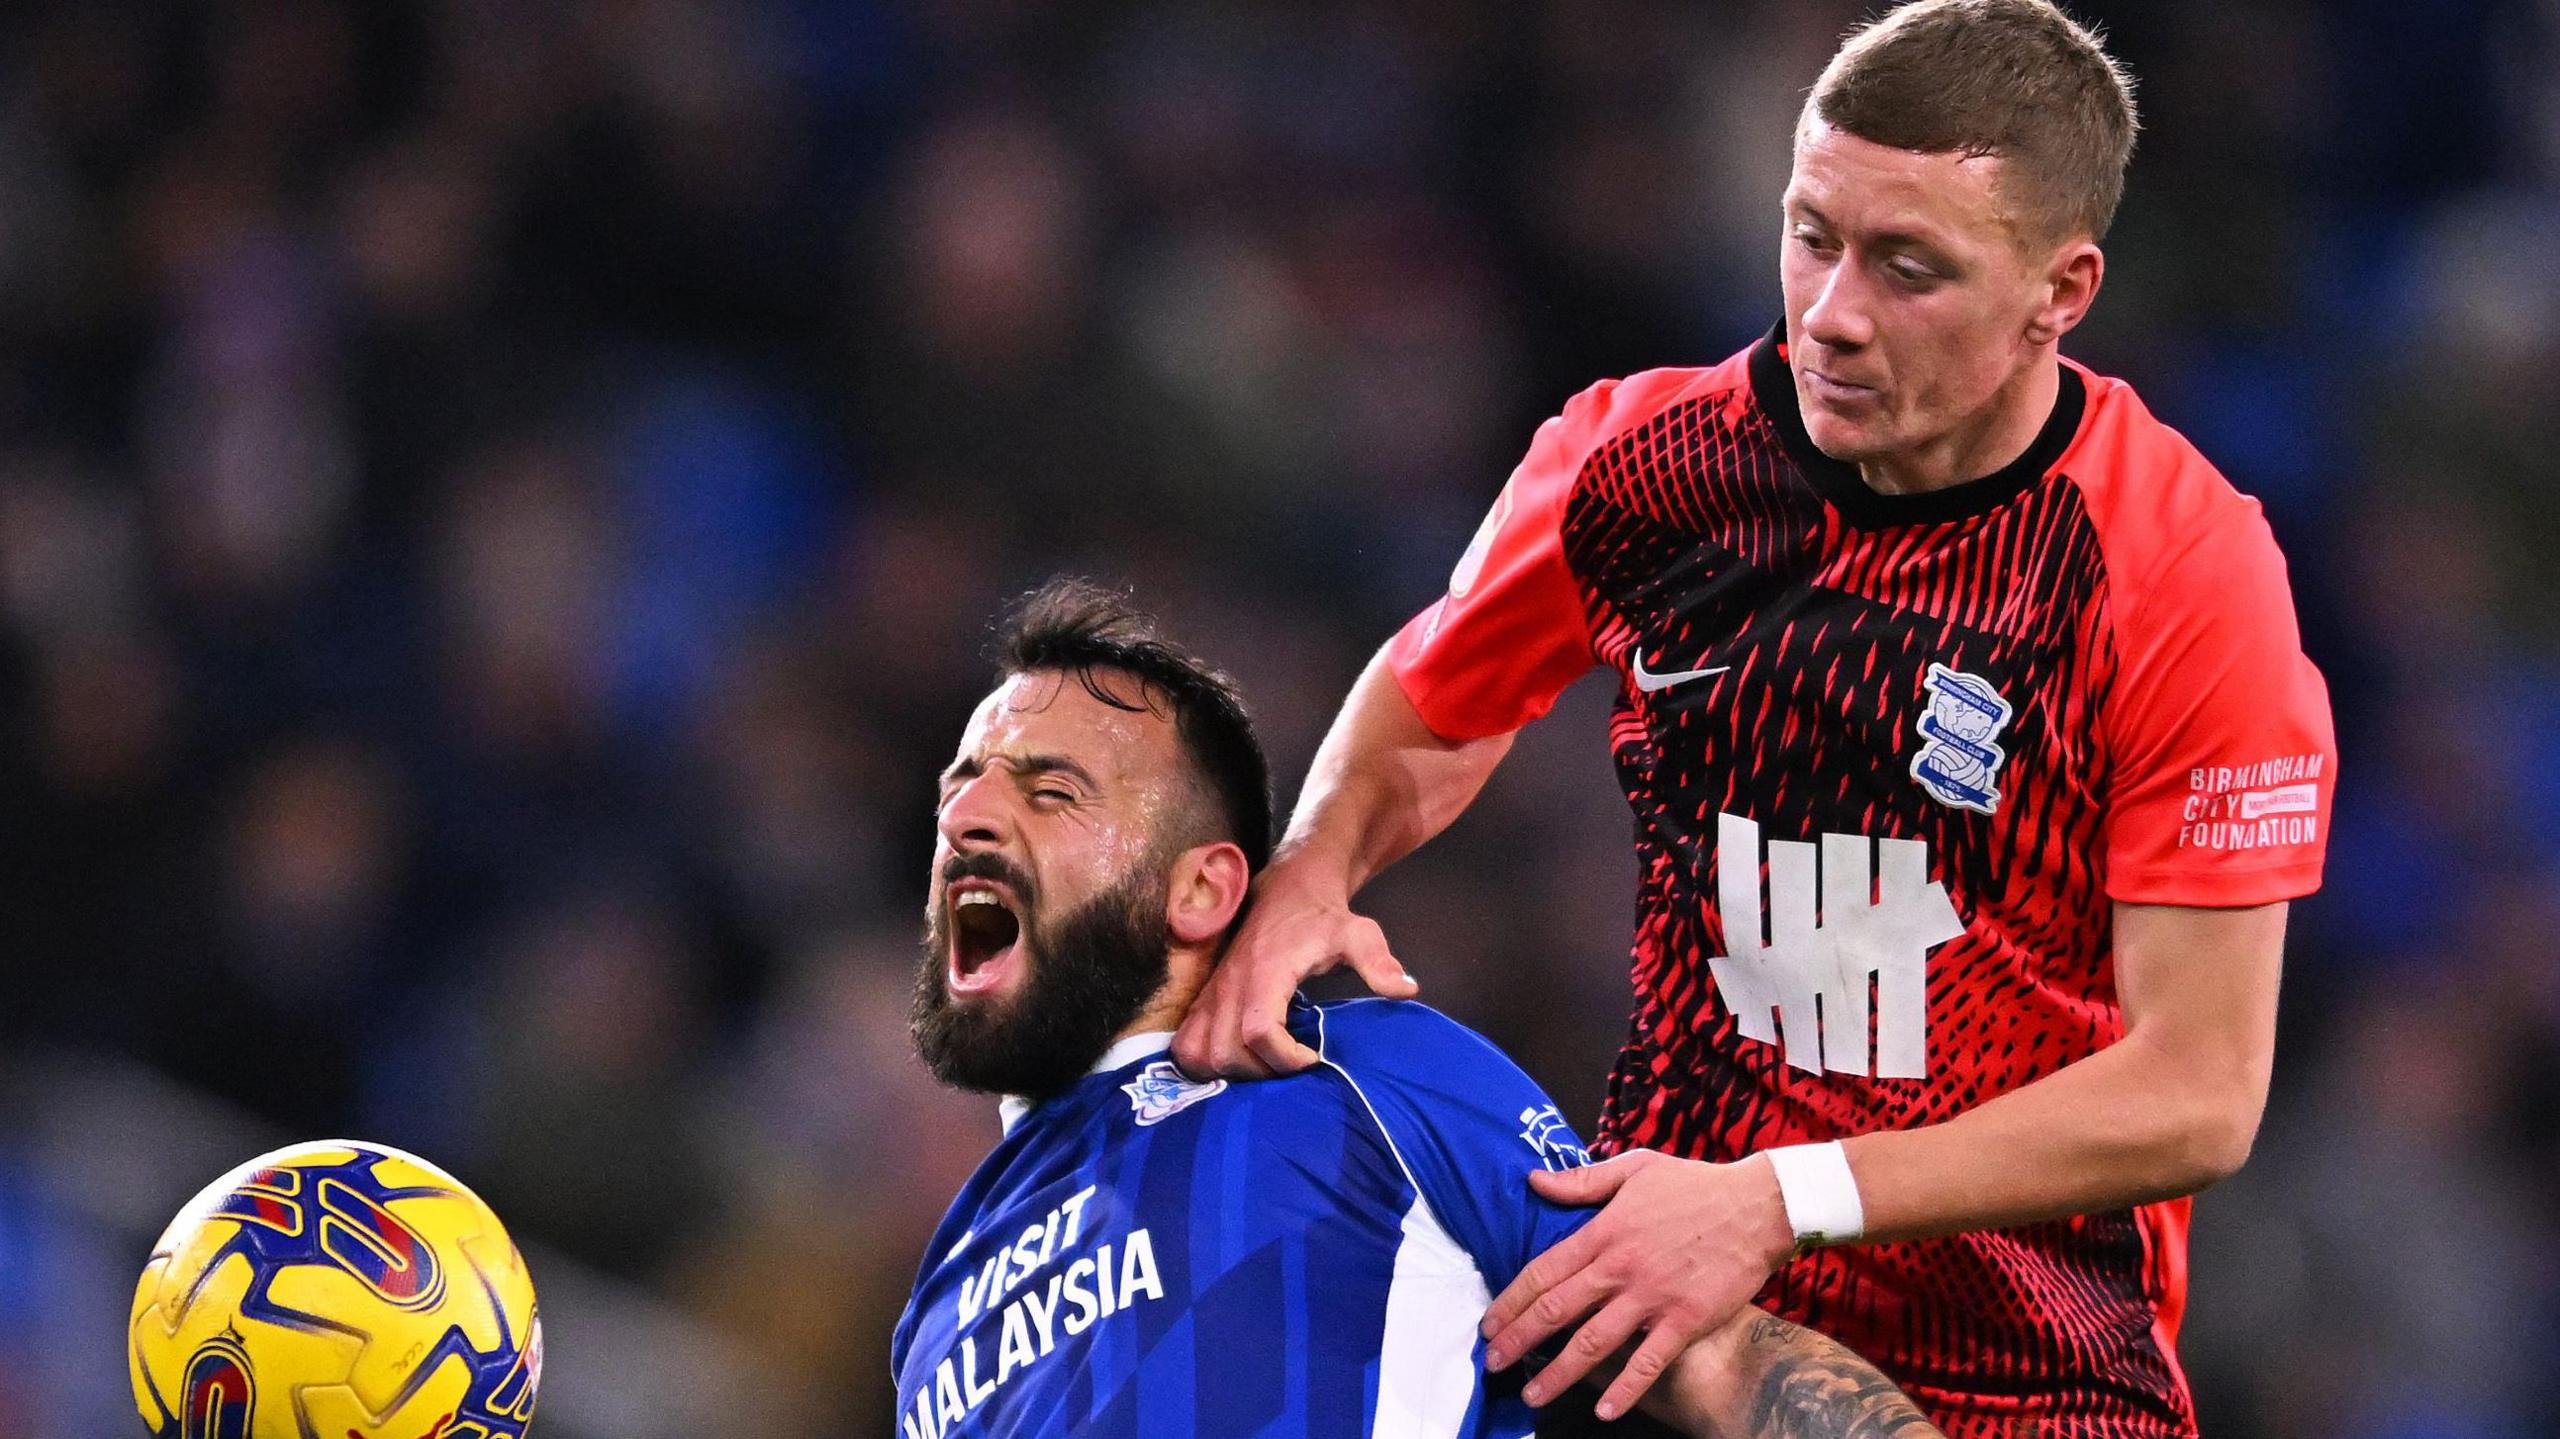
x=1984, y=445
x=1186, y=974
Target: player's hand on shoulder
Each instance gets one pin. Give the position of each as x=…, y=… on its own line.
x=1679, y=1248
x=1296, y=928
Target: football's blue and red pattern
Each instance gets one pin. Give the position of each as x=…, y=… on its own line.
x=221, y=1393
x=1929, y=739
x=336, y=1289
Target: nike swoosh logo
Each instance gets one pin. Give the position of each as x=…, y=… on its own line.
x=1650, y=682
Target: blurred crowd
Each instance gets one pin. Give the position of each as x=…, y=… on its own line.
x=501, y=504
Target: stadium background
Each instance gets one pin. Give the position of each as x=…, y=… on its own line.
x=500, y=504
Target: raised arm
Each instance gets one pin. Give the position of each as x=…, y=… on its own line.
x=1381, y=785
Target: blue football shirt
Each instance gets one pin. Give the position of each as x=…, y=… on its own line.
x=1144, y=1257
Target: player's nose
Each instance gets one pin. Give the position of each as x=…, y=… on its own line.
x=1837, y=319
x=977, y=815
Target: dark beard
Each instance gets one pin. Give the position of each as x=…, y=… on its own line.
x=1087, y=978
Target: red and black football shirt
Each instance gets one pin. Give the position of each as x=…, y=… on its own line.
x=1892, y=758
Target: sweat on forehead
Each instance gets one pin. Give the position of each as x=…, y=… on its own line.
x=1053, y=714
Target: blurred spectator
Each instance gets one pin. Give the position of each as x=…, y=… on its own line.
x=581, y=1087
x=271, y=994
x=2382, y=1252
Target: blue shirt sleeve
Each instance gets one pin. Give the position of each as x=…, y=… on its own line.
x=1468, y=1126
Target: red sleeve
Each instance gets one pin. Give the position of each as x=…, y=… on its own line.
x=1494, y=653
x=2225, y=758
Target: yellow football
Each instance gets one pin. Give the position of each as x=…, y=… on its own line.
x=335, y=1290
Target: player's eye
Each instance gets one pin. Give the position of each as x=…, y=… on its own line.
x=1912, y=272
x=1814, y=240
x=1051, y=794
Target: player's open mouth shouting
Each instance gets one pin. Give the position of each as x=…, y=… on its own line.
x=985, y=924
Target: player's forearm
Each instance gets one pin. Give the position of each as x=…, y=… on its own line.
x=1382, y=784
x=1760, y=1377
x=2133, y=1123
x=2169, y=1109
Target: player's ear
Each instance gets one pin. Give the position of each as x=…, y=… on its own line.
x=2070, y=285
x=1209, y=885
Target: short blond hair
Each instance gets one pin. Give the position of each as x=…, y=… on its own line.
x=2013, y=78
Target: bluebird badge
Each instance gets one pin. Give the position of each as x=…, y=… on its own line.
x=1960, y=755
x=1161, y=1091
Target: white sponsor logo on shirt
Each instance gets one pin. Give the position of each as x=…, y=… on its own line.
x=1868, y=914
x=2292, y=799
x=2264, y=805
x=1651, y=683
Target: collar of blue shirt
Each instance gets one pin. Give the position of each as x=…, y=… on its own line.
x=1129, y=1050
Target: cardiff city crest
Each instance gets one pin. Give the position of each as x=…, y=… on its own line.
x=1162, y=1091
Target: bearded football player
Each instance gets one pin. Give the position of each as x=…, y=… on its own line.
x=1146, y=1254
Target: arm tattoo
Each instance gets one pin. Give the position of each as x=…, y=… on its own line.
x=1770, y=1329
x=1819, y=1390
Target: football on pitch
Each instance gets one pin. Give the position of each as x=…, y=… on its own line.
x=335, y=1290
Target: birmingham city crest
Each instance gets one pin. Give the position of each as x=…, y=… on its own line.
x=1960, y=755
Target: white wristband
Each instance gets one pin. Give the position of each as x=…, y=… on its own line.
x=1820, y=1193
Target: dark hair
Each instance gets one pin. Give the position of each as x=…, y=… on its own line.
x=2013, y=78
x=1078, y=627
